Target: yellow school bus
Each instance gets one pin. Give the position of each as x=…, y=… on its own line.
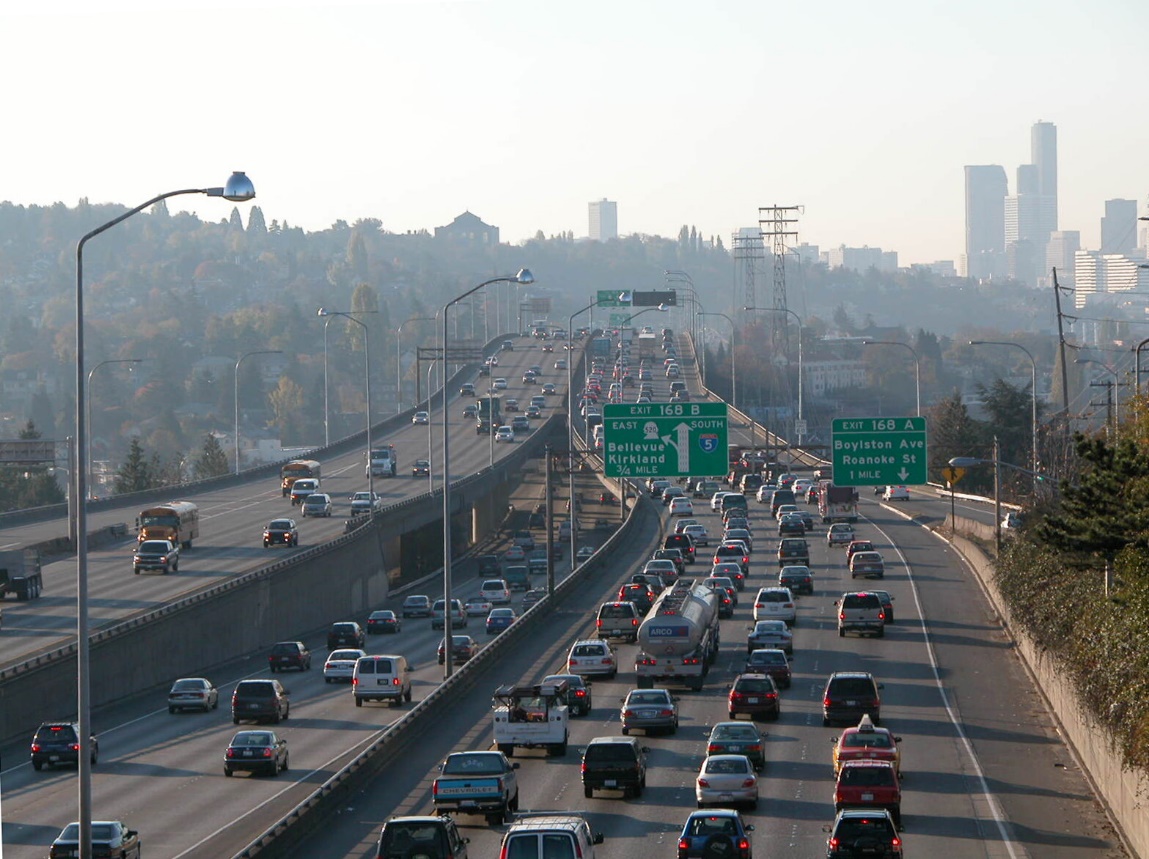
x=296, y=469
x=177, y=522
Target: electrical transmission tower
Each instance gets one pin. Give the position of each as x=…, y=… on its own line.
x=749, y=257
x=779, y=223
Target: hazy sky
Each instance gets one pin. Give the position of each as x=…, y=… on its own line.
x=411, y=111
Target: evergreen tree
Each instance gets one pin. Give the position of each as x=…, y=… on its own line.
x=212, y=461
x=137, y=473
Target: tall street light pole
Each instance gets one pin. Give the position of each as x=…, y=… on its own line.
x=237, y=363
x=91, y=475
x=570, y=429
x=350, y=315
x=398, y=361
x=238, y=190
x=1032, y=390
x=523, y=277
x=917, y=366
x=679, y=276
x=733, y=363
x=801, y=365
x=1137, y=365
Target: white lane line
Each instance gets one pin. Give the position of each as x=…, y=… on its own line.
x=985, y=804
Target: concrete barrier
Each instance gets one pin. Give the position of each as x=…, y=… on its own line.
x=1121, y=790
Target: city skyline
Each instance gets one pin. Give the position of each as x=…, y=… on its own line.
x=522, y=113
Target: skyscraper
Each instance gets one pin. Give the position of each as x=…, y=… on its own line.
x=1119, y=227
x=1043, y=154
x=603, y=220
x=985, y=191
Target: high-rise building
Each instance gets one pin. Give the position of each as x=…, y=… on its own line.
x=1061, y=254
x=603, y=220
x=985, y=191
x=1043, y=154
x=1119, y=227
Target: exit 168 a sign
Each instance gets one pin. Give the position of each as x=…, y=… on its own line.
x=879, y=451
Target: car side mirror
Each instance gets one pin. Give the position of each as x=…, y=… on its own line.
x=897, y=739
x=828, y=828
x=646, y=750
x=597, y=839
x=750, y=828
x=515, y=765
x=881, y=686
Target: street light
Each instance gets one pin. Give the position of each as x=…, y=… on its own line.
x=350, y=315
x=1137, y=364
x=968, y=462
x=681, y=277
x=237, y=363
x=330, y=316
x=91, y=476
x=733, y=363
x=238, y=189
x=399, y=359
x=523, y=277
x=1032, y=388
x=917, y=366
x=801, y=372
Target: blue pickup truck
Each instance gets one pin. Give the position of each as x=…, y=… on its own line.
x=477, y=783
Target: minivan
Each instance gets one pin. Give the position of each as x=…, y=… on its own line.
x=259, y=700
x=683, y=542
x=848, y=696
x=549, y=836
x=610, y=763
x=381, y=678
x=731, y=500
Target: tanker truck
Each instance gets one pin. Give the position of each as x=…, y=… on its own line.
x=678, y=641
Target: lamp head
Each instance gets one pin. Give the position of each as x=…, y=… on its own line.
x=238, y=188
x=976, y=342
x=524, y=276
x=321, y=312
x=966, y=461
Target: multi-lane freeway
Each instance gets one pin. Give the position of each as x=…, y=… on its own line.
x=986, y=775
x=232, y=521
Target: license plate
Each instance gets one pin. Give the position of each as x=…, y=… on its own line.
x=247, y=753
x=851, y=703
x=379, y=681
x=53, y=758
x=725, y=797
x=648, y=714
x=616, y=632
x=867, y=797
x=735, y=749
x=610, y=782
x=752, y=700
x=253, y=706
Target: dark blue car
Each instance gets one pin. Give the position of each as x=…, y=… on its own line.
x=499, y=619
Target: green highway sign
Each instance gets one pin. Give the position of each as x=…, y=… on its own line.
x=664, y=439
x=879, y=451
x=614, y=298
x=619, y=320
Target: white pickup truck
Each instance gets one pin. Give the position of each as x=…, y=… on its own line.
x=532, y=717
x=477, y=783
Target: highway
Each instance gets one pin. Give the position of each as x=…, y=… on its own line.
x=985, y=772
x=232, y=521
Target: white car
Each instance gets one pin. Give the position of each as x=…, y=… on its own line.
x=477, y=607
x=317, y=504
x=785, y=510
x=775, y=604
x=561, y=364
x=421, y=418
x=340, y=665
x=591, y=657
x=697, y=533
x=726, y=780
x=765, y=493
x=716, y=501
x=504, y=434
x=361, y=503
x=840, y=534
x=801, y=487
x=896, y=493
x=192, y=692
x=500, y=384
x=681, y=507
x=496, y=591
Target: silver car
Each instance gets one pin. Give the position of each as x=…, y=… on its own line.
x=727, y=780
x=340, y=665
x=651, y=710
x=192, y=693
x=770, y=633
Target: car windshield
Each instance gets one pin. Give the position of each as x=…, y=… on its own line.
x=100, y=832
x=770, y=626
x=852, y=828
x=649, y=698
x=187, y=686
x=280, y=525
x=588, y=650
x=850, y=687
x=875, y=740
x=711, y=824
x=720, y=765
x=867, y=776
x=345, y=655
x=752, y=685
x=735, y=732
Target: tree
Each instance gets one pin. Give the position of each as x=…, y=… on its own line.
x=137, y=473
x=212, y=461
x=1107, y=509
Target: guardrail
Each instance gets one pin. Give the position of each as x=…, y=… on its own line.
x=306, y=817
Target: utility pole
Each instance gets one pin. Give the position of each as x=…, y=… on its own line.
x=550, y=517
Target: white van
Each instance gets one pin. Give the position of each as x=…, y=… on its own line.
x=548, y=836
x=381, y=678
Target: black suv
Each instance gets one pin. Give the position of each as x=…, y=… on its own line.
x=682, y=542
x=793, y=550
x=59, y=743
x=858, y=832
x=848, y=696
x=403, y=837
x=259, y=700
x=346, y=634
x=617, y=762
x=289, y=654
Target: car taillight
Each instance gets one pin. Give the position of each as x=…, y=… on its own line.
x=736, y=696
x=834, y=842
x=267, y=753
x=759, y=605
x=36, y=747
x=881, y=615
x=771, y=694
x=827, y=701
x=354, y=681
x=606, y=660
x=665, y=712
x=897, y=842
x=598, y=624
x=841, y=615
x=582, y=767
x=231, y=753
x=713, y=748
x=703, y=783
x=572, y=662
x=748, y=782
x=627, y=713
x=757, y=747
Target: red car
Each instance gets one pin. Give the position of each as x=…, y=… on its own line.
x=754, y=695
x=869, y=784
